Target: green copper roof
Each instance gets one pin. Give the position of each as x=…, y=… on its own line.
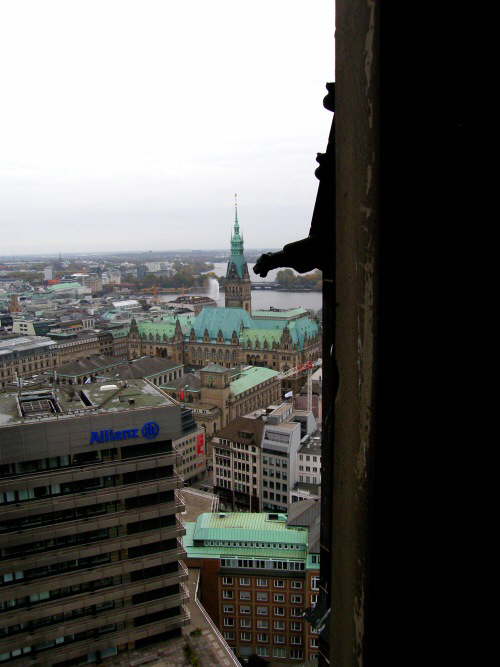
x=248, y=527
x=236, y=266
x=280, y=315
x=225, y=319
x=251, y=377
x=250, y=336
x=301, y=328
x=154, y=329
x=62, y=286
x=229, y=320
x=119, y=333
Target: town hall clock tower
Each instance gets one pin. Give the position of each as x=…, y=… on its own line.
x=237, y=286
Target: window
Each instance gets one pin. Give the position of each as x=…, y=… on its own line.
x=296, y=653
x=279, y=583
x=261, y=596
x=229, y=635
x=246, y=636
x=262, y=651
x=227, y=581
x=296, y=611
x=279, y=639
x=279, y=652
x=297, y=599
x=296, y=584
x=244, y=581
x=245, y=622
x=279, y=611
x=295, y=626
x=262, y=611
x=244, y=609
x=296, y=639
x=262, y=623
x=229, y=609
x=315, y=583
x=227, y=595
x=262, y=637
x=314, y=642
x=229, y=622
x=261, y=582
x=279, y=597
x=245, y=595
x=279, y=625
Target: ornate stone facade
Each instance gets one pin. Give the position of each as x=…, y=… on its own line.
x=234, y=335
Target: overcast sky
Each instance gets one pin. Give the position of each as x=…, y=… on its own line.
x=130, y=124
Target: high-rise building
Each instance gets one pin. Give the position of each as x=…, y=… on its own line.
x=237, y=287
x=90, y=535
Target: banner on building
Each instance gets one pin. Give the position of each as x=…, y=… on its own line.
x=200, y=446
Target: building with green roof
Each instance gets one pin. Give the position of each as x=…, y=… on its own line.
x=219, y=395
x=234, y=335
x=259, y=573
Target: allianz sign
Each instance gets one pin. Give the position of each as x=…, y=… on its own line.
x=149, y=431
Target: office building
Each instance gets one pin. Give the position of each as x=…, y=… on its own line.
x=259, y=573
x=237, y=463
x=90, y=533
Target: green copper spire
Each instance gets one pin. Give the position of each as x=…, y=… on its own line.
x=236, y=238
x=237, y=265
x=236, y=223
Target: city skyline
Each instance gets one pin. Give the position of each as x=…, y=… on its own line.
x=131, y=125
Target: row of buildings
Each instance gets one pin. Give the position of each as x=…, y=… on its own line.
x=91, y=534
x=25, y=356
x=97, y=442
x=268, y=460
x=231, y=336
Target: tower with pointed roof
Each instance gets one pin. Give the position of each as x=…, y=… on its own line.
x=237, y=287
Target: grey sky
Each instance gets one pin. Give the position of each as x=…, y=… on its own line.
x=130, y=124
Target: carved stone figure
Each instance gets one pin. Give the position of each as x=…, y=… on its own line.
x=315, y=251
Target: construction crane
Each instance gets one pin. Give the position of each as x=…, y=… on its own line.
x=307, y=366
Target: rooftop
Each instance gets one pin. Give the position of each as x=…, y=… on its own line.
x=189, y=381
x=88, y=365
x=307, y=513
x=243, y=429
x=23, y=343
x=251, y=377
x=60, y=402
x=216, y=368
x=280, y=314
x=58, y=287
x=269, y=529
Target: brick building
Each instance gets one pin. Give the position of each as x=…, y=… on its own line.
x=259, y=573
